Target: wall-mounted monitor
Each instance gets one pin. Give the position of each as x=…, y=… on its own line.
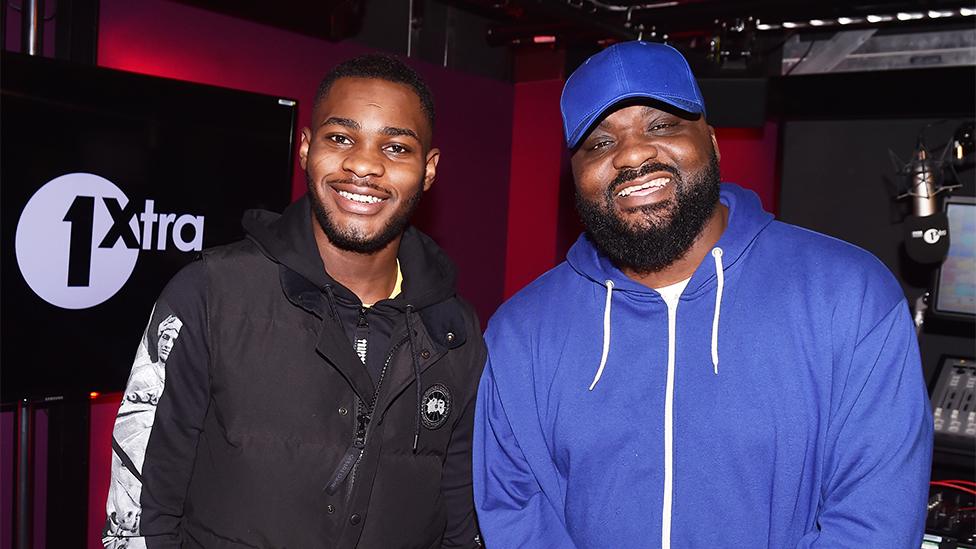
x=113, y=181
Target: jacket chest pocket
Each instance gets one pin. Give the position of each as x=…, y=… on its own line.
x=281, y=393
x=430, y=420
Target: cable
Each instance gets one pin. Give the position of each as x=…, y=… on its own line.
x=618, y=7
x=957, y=481
x=781, y=43
x=802, y=58
x=955, y=486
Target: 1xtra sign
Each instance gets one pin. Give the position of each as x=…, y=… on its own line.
x=79, y=237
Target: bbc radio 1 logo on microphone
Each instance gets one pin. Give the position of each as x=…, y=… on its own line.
x=79, y=237
x=930, y=236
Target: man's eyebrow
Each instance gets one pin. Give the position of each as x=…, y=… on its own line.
x=657, y=113
x=396, y=132
x=344, y=122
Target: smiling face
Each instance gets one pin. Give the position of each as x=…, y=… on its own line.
x=647, y=182
x=367, y=162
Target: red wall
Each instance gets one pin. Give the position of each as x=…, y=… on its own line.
x=533, y=196
x=749, y=158
x=102, y=417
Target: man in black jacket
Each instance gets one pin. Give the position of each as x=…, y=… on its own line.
x=320, y=379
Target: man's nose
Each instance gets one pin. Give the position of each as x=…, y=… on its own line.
x=633, y=153
x=363, y=162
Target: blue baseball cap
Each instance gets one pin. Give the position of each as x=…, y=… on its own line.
x=625, y=71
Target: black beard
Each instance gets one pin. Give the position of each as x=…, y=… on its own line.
x=668, y=228
x=354, y=241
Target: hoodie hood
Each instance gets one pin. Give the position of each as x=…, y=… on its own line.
x=746, y=220
x=428, y=288
x=429, y=277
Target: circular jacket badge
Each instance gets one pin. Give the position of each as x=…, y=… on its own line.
x=435, y=406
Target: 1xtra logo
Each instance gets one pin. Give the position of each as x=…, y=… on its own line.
x=79, y=237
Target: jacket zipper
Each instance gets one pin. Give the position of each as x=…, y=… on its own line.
x=350, y=461
x=362, y=333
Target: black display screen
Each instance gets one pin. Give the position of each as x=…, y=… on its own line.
x=111, y=182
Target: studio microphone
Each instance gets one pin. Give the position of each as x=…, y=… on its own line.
x=927, y=228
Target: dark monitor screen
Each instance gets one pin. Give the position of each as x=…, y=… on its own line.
x=111, y=182
x=955, y=289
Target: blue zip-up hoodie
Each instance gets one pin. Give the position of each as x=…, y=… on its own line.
x=780, y=404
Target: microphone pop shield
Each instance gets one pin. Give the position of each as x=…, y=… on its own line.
x=927, y=238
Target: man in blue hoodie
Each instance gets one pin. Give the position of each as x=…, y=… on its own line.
x=696, y=374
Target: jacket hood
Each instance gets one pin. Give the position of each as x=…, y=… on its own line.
x=429, y=277
x=746, y=220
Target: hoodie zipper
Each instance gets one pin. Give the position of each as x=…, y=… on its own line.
x=350, y=462
x=362, y=334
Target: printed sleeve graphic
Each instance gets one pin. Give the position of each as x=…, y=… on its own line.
x=133, y=426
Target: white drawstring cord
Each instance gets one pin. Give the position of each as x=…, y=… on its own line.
x=720, y=273
x=606, y=334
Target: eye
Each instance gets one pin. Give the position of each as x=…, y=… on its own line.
x=600, y=144
x=339, y=139
x=662, y=126
x=397, y=148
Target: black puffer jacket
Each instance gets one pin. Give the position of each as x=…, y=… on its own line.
x=270, y=431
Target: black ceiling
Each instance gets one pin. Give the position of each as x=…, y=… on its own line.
x=485, y=36
x=579, y=20
x=573, y=20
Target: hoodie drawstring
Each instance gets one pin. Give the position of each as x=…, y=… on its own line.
x=413, y=356
x=720, y=273
x=416, y=374
x=332, y=307
x=606, y=334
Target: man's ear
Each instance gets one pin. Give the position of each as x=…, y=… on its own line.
x=430, y=169
x=305, y=140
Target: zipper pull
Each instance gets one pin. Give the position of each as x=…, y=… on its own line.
x=345, y=467
x=362, y=423
x=362, y=334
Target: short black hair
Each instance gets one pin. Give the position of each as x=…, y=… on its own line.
x=383, y=67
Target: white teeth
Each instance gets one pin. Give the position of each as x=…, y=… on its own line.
x=655, y=183
x=365, y=199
